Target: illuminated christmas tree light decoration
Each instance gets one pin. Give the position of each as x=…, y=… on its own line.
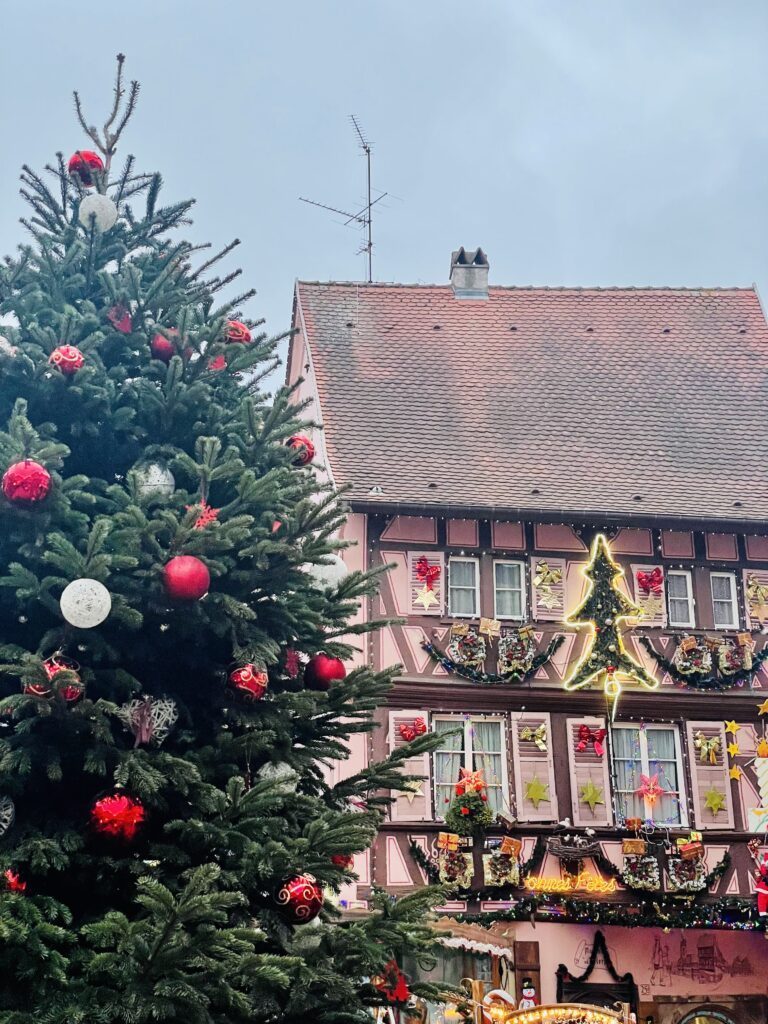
x=605, y=610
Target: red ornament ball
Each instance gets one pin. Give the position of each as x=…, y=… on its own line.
x=70, y=692
x=13, y=881
x=236, y=333
x=26, y=481
x=67, y=358
x=299, y=899
x=322, y=671
x=82, y=164
x=119, y=816
x=249, y=681
x=163, y=348
x=186, y=578
x=217, y=364
x=305, y=450
x=345, y=861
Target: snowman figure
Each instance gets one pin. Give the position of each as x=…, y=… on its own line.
x=529, y=999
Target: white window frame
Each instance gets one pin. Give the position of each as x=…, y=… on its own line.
x=464, y=615
x=691, y=601
x=523, y=595
x=645, y=767
x=459, y=720
x=734, y=600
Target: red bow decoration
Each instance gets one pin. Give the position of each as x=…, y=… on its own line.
x=410, y=730
x=650, y=582
x=393, y=984
x=593, y=736
x=426, y=573
x=470, y=782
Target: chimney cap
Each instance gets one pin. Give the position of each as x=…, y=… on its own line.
x=462, y=257
x=469, y=273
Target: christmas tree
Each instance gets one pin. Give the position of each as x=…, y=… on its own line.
x=173, y=668
x=606, y=610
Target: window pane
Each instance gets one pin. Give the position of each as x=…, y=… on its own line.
x=724, y=614
x=509, y=604
x=721, y=588
x=677, y=585
x=462, y=574
x=679, y=611
x=462, y=602
x=507, y=576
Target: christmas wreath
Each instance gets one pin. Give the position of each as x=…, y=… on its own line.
x=516, y=652
x=467, y=649
x=641, y=873
x=692, y=656
x=686, y=876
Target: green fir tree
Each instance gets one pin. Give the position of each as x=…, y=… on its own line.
x=136, y=387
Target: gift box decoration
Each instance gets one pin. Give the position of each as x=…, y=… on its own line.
x=510, y=846
x=633, y=847
x=447, y=841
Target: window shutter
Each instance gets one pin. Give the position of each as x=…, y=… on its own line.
x=532, y=764
x=548, y=589
x=404, y=808
x=587, y=766
x=419, y=587
x=756, y=597
x=649, y=592
x=706, y=777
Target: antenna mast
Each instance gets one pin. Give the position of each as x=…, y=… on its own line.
x=364, y=217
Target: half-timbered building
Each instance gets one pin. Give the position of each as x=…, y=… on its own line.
x=492, y=441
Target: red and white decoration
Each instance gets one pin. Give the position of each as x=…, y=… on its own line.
x=67, y=359
x=299, y=899
x=26, y=483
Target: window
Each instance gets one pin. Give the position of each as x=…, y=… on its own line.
x=680, y=598
x=653, y=751
x=509, y=590
x=478, y=745
x=724, y=600
x=463, y=591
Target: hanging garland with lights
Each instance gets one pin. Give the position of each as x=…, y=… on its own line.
x=477, y=675
x=605, y=610
x=706, y=681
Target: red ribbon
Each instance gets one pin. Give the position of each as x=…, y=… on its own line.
x=650, y=582
x=593, y=736
x=426, y=573
x=410, y=730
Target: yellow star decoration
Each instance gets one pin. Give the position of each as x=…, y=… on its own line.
x=714, y=800
x=425, y=597
x=733, y=749
x=762, y=709
x=537, y=791
x=731, y=727
x=412, y=790
x=591, y=795
x=735, y=772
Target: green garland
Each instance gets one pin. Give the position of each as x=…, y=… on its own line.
x=469, y=814
x=490, y=678
x=697, y=681
x=728, y=913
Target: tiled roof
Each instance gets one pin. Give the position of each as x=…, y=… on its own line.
x=649, y=402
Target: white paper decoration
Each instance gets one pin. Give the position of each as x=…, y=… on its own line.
x=329, y=574
x=150, y=719
x=281, y=773
x=98, y=206
x=153, y=479
x=85, y=603
x=7, y=814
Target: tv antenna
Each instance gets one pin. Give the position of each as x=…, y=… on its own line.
x=363, y=218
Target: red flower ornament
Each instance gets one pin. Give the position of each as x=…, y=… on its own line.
x=119, y=816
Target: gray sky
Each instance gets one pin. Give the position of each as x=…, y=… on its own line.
x=578, y=141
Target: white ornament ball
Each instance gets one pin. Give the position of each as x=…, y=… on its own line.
x=98, y=206
x=330, y=573
x=153, y=479
x=85, y=603
x=282, y=774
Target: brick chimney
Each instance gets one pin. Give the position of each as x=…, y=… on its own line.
x=469, y=274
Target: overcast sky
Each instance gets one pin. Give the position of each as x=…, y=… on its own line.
x=580, y=142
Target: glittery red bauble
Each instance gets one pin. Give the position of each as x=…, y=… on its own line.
x=117, y=815
x=67, y=358
x=71, y=691
x=186, y=578
x=322, y=671
x=163, y=348
x=13, y=882
x=345, y=861
x=305, y=450
x=217, y=363
x=82, y=164
x=237, y=333
x=249, y=681
x=26, y=481
x=299, y=899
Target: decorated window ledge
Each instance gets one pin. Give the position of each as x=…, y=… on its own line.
x=469, y=647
